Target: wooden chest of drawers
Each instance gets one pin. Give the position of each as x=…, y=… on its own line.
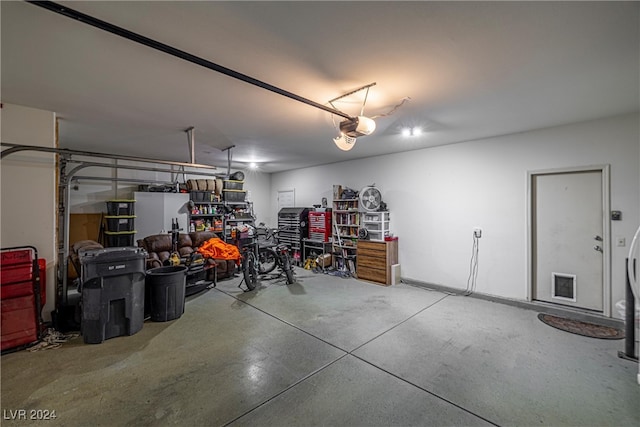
x=375, y=259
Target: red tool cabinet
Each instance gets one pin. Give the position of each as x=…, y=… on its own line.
x=320, y=226
x=22, y=295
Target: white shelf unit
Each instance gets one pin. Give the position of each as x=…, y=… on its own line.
x=377, y=225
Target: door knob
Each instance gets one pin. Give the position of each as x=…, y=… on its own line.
x=597, y=248
x=598, y=238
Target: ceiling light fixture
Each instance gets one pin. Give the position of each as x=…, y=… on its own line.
x=415, y=131
x=353, y=127
x=344, y=142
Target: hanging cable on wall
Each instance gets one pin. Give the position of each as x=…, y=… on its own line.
x=473, y=266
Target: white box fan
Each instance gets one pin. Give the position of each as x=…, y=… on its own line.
x=371, y=199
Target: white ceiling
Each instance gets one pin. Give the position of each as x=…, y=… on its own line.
x=471, y=69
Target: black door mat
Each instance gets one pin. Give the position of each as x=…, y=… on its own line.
x=582, y=328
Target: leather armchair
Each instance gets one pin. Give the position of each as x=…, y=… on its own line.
x=159, y=248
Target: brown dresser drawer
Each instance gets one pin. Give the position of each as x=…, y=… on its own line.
x=373, y=253
x=372, y=247
x=368, y=262
x=378, y=275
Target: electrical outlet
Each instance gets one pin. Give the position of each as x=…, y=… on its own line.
x=477, y=232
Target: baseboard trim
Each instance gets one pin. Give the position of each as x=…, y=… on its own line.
x=577, y=314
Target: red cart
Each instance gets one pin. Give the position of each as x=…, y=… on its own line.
x=22, y=295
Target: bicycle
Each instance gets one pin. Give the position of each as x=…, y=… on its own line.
x=262, y=256
x=249, y=265
x=272, y=254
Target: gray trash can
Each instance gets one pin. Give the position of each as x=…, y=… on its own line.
x=112, y=292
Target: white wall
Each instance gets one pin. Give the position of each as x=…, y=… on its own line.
x=436, y=196
x=27, y=204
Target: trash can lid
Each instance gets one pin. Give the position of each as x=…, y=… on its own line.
x=111, y=254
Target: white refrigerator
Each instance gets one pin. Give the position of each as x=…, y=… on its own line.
x=154, y=212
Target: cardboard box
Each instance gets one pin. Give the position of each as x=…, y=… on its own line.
x=324, y=260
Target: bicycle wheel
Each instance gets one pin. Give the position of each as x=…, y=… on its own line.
x=267, y=259
x=288, y=269
x=250, y=270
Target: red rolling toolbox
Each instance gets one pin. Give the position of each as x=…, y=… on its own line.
x=320, y=225
x=22, y=295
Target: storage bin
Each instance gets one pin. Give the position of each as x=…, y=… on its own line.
x=234, y=195
x=232, y=185
x=120, y=207
x=120, y=223
x=118, y=238
x=112, y=293
x=196, y=196
x=202, y=196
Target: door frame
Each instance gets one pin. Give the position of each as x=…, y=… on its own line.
x=606, y=228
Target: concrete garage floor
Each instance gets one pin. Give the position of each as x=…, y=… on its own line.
x=335, y=352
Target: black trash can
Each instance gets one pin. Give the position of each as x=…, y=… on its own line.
x=112, y=292
x=166, y=292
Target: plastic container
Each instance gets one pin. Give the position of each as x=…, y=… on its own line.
x=202, y=196
x=112, y=292
x=115, y=239
x=196, y=196
x=234, y=195
x=232, y=185
x=166, y=292
x=120, y=207
x=120, y=223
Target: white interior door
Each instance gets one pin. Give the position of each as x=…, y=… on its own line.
x=286, y=199
x=568, y=239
